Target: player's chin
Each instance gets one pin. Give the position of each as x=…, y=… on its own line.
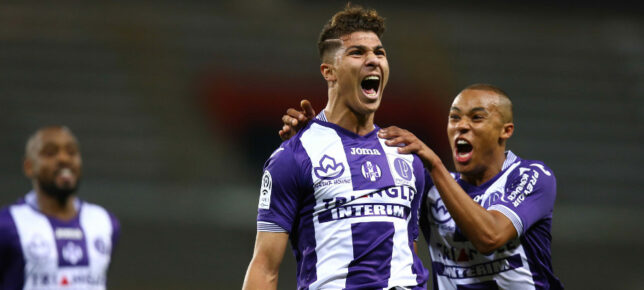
x=370, y=105
x=463, y=167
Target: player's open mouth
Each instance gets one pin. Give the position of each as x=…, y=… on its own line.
x=463, y=150
x=370, y=86
x=65, y=174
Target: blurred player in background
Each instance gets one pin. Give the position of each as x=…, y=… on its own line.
x=50, y=239
x=488, y=224
x=348, y=203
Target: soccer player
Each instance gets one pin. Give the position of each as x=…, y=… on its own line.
x=50, y=239
x=488, y=224
x=348, y=203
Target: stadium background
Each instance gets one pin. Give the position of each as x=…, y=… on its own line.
x=177, y=106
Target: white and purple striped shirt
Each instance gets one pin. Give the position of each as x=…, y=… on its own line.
x=41, y=252
x=524, y=191
x=350, y=205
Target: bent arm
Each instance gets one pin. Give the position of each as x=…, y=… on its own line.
x=487, y=230
x=263, y=270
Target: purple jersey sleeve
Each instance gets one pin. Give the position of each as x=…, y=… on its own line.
x=6, y=232
x=116, y=230
x=11, y=260
x=423, y=184
x=280, y=189
x=530, y=195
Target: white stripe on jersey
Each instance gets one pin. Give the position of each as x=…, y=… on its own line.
x=510, y=214
x=269, y=227
x=334, y=252
x=334, y=245
x=41, y=254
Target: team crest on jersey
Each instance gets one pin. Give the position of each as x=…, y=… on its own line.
x=371, y=171
x=265, y=191
x=72, y=253
x=403, y=168
x=328, y=168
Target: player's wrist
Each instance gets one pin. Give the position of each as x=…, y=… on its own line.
x=433, y=162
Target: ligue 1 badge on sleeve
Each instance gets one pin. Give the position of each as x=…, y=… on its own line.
x=403, y=168
x=265, y=191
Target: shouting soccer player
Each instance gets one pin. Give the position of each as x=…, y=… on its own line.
x=488, y=224
x=51, y=239
x=348, y=203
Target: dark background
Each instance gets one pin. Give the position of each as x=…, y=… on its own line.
x=178, y=104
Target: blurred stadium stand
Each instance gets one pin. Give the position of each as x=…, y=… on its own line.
x=160, y=95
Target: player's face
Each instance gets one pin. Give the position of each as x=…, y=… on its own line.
x=55, y=163
x=474, y=129
x=362, y=71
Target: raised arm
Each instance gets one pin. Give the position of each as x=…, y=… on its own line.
x=263, y=270
x=294, y=119
x=487, y=230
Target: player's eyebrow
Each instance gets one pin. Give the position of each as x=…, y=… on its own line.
x=362, y=47
x=454, y=108
x=478, y=109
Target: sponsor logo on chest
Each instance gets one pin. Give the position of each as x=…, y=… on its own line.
x=364, y=151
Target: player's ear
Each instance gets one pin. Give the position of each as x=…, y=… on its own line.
x=507, y=130
x=328, y=72
x=28, y=167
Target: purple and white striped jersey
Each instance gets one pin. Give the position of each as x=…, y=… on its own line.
x=350, y=205
x=524, y=191
x=41, y=252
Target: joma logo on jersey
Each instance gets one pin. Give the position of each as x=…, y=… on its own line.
x=364, y=151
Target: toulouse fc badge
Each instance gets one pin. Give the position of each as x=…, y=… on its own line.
x=371, y=171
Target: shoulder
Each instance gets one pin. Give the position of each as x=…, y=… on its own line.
x=6, y=221
x=8, y=229
x=6, y=218
x=291, y=152
x=531, y=177
x=95, y=211
x=533, y=167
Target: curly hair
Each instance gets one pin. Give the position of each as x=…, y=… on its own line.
x=353, y=18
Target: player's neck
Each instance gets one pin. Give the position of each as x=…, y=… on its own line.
x=51, y=206
x=489, y=171
x=340, y=114
x=347, y=119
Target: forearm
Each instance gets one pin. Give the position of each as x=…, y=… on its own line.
x=263, y=269
x=260, y=277
x=482, y=227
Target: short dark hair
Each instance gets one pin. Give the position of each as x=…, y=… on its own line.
x=353, y=18
x=30, y=146
x=508, y=116
x=488, y=87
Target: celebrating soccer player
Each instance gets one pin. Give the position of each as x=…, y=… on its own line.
x=488, y=224
x=51, y=239
x=348, y=203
